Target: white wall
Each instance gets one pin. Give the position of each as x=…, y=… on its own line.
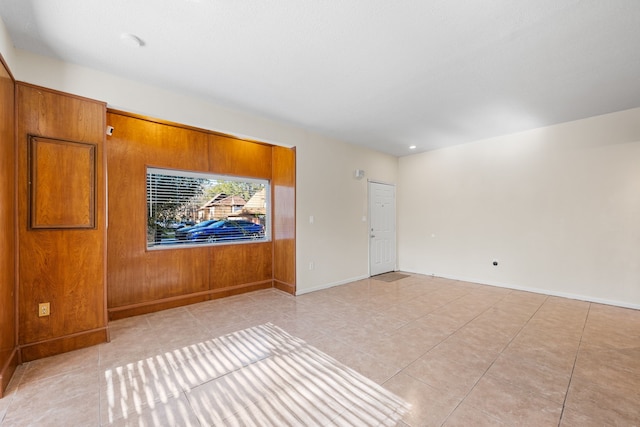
x=338, y=239
x=6, y=45
x=559, y=207
x=337, y=242
x=140, y=98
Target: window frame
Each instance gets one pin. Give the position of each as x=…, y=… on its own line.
x=151, y=245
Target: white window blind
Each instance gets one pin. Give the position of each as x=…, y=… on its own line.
x=189, y=208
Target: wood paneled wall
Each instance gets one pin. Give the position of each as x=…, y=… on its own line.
x=141, y=280
x=283, y=187
x=8, y=344
x=63, y=266
x=65, y=261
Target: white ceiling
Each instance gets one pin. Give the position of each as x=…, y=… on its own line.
x=379, y=73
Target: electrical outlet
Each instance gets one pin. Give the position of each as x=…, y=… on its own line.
x=44, y=309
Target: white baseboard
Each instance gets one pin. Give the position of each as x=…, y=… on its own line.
x=587, y=298
x=329, y=285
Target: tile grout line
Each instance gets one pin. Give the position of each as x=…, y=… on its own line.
x=373, y=311
x=494, y=360
x=575, y=360
x=449, y=336
x=452, y=333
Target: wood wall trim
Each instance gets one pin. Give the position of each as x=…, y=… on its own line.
x=9, y=355
x=8, y=370
x=51, y=347
x=179, y=297
x=116, y=313
x=62, y=183
x=103, y=235
x=289, y=288
x=5, y=66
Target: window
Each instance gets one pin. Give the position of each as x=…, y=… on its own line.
x=189, y=208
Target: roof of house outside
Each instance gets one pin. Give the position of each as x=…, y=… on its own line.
x=256, y=204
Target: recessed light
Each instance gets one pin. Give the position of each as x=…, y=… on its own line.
x=131, y=40
x=412, y=147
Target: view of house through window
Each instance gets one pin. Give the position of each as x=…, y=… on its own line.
x=187, y=208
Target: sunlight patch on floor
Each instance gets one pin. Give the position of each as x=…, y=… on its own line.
x=257, y=376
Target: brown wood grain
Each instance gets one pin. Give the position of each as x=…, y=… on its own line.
x=230, y=156
x=181, y=300
x=125, y=236
x=8, y=328
x=70, y=268
x=63, y=344
x=283, y=186
x=234, y=265
x=135, y=274
x=58, y=168
x=142, y=280
x=63, y=267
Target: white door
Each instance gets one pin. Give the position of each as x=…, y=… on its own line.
x=382, y=233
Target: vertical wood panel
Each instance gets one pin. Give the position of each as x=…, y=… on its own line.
x=126, y=236
x=230, y=156
x=173, y=272
x=8, y=345
x=284, y=218
x=235, y=265
x=63, y=267
x=134, y=273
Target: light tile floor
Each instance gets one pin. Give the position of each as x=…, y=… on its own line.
x=460, y=354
